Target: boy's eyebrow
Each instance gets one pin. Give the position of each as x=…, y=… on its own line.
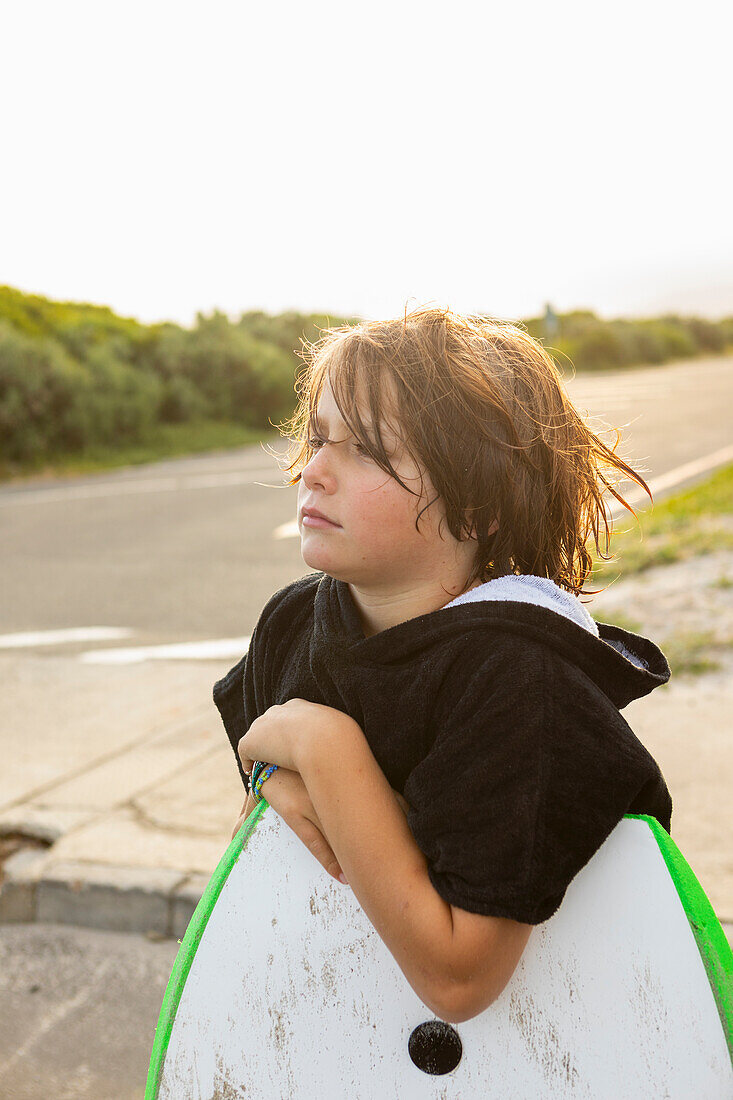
x=320, y=422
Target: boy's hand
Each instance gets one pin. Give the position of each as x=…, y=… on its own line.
x=286, y=792
x=285, y=730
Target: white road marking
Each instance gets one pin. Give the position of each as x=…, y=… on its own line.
x=61, y=637
x=674, y=477
x=188, y=651
x=287, y=530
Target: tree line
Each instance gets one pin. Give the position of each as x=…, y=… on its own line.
x=73, y=375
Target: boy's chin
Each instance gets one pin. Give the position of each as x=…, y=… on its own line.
x=326, y=563
x=316, y=558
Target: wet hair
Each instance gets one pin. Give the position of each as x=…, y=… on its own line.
x=480, y=405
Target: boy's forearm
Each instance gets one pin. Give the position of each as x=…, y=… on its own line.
x=370, y=837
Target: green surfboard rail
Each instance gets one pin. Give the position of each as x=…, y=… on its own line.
x=189, y=946
x=711, y=941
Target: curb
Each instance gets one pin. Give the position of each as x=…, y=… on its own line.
x=155, y=902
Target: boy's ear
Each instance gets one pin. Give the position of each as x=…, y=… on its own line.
x=494, y=527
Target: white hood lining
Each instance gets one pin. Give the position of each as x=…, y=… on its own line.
x=527, y=588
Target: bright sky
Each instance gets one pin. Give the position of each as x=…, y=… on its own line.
x=167, y=157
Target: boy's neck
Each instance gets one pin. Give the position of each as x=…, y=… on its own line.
x=379, y=612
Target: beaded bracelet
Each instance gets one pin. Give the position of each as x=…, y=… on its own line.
x=257, y=768
x=260, y=772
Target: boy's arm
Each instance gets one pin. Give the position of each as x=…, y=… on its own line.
x=457, y=962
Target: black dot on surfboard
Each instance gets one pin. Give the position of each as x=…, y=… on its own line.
x=435, y=1047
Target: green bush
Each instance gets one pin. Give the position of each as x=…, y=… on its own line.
x=39, y=385
x=649, y=344
x=676, y=340
x=240, y=377
x=50, y=403
x=706, y=335
x=125, y=401
x=181, y=401
x=598, y=347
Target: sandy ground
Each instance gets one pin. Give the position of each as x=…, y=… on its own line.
x=685, y=598
x=686, y=724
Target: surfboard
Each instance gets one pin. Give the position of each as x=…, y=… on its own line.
x=282, y=988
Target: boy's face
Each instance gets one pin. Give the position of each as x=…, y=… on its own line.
x=375, y=545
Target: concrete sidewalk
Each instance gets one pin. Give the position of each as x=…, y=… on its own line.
x=127, y=772
x=124, y=775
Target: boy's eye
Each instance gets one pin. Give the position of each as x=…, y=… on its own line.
x=314, y=440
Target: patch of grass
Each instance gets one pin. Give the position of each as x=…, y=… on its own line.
x=723, y=582
x=696, y=521
x=618, y=618
x=691, y=653
x=168, y=441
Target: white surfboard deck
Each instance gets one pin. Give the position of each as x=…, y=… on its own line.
x=283, y=989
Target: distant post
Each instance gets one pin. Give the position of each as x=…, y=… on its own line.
x=551, y=322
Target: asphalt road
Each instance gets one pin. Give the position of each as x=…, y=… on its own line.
x=188, y=549
x=78, y=1011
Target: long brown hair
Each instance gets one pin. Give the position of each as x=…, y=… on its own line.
x=481, y=406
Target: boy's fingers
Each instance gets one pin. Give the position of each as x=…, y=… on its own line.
x=319, y=847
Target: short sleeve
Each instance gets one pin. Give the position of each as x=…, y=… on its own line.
x=239, y=698
x=247, y=690
x=528, y=774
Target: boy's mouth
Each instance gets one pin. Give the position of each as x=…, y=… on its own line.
x=312, y=515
